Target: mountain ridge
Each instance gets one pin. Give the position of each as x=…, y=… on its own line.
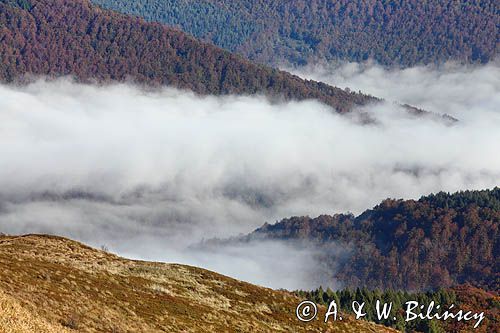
x=55, y=38
x=440, y=240
x=53, y=284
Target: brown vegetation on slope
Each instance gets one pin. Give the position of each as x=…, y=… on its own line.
x=74, y=38
x=474, y=299
x=437, y=241
x=52, y=284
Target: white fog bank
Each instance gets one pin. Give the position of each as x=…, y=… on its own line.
x=458, y=90
x=150, y=173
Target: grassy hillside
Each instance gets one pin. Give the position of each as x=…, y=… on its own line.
x=74, y=38
x=52, y=284
x=401, y=33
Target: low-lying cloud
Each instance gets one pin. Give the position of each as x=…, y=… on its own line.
x=457, y=90
x=150, y=173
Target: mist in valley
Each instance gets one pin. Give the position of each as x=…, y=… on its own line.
x=149, y=174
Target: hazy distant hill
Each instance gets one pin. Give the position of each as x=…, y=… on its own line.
x=50, y=284
x=75, y=38
x=405, y=33
x=438, y=241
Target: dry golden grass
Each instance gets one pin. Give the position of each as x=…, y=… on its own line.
x=16, y=319
x=52, y=284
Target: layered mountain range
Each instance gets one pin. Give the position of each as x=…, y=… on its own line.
x=222, y=48
x=54, y=38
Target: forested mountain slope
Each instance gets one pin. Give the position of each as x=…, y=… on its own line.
x=462, y=297
x=402, y=33
x=50, y=284
x=438, y=241
x=74, y=38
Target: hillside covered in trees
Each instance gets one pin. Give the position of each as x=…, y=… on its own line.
x=437, y=241
x=463, y=297
x=74, y=38
x=401, y=33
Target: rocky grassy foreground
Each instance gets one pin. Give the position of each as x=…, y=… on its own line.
x=53, y=284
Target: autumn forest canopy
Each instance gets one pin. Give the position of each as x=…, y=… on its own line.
x=73, y=38
x=172, y=130
x=440, y=240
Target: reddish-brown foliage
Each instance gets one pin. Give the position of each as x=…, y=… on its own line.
x=74, y=38
x=437, y=241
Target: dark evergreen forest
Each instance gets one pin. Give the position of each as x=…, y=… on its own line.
x=401, y=33
x=463, y=297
